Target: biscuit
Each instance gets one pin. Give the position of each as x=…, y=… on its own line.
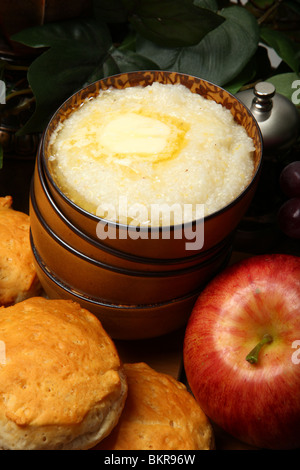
x=18, y=278
x=62, y=385
x=159, y=414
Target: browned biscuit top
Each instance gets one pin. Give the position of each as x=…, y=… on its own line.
x=60, y=363
x=159, y=414
x=18, y=279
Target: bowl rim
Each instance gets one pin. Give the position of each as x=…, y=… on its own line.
x=119, y=225
x=108, y=249
x=226, y=248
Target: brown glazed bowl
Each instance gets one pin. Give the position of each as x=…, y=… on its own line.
x=115, y=284
x=95, y=249
x=140, y=287
x=123, y=322
x=217, y=226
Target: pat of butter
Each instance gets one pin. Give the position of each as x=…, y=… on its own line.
x=133, y=133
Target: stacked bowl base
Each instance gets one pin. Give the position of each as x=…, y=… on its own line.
x=138, y=287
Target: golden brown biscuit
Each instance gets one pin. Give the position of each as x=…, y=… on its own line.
x=62, y=384
x=159, y=414
x=18, y=278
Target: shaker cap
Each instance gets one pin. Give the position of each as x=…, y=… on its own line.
x=277, y=116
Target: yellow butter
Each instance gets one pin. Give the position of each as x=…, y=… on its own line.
x=155, y=144
x=134, y=133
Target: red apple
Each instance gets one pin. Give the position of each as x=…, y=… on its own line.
x=253, y=300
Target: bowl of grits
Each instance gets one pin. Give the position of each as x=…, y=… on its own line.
x=141, y=180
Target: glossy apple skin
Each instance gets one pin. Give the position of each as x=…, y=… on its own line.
x=258, y=404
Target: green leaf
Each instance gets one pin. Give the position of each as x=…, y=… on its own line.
x=62, y=33
x=120, y=60
x=209, y=4
x=258, y=68
x=219, y=57
x=77, y=54
x=172, y=23
x=245, y=76
x=129, y=42
x=283, y=45
x=288, y=85
x=128, y=61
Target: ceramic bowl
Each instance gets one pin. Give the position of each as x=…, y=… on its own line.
x=120, y=285
x=217, y=225
x=95, y=249
x=147, y=283
x=122, y=322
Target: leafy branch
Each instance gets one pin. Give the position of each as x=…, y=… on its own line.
x=220, y=41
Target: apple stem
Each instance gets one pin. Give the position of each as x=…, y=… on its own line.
x=252, y=357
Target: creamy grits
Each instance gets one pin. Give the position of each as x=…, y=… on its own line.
x=125, y=150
